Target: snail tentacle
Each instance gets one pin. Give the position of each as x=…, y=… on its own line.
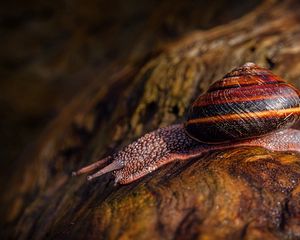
x=91, y=167
x=109, y=168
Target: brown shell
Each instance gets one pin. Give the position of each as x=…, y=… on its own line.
x=248, y=102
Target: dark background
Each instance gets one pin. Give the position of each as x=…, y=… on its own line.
x=50, y=50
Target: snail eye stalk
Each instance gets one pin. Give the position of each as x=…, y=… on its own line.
x=109, y=168
x=91, y=167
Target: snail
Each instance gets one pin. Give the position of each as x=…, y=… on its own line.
x=249, y=106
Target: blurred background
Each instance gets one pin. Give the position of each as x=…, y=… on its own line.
x=50, y=50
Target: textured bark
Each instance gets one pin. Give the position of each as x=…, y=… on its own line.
x=244, y=193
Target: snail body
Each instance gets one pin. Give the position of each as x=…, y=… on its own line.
x=250, y=106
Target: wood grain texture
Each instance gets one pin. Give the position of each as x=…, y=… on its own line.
x=245, y=193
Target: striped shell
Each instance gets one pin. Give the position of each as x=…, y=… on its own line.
x=248, y=102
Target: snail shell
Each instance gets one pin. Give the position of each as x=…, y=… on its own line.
x=248, y=102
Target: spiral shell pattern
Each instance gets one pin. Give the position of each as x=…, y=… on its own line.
x=248, y=102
